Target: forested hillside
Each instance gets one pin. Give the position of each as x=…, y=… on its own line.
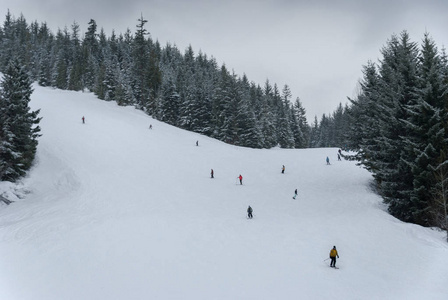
x=398, y=128
x=188, y=90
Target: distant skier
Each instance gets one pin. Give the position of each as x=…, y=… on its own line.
x=83, y=120
x=328, y=161
x=197, y=143
x=283, y=169
x=241, y=179
x=249, y=212
x=333, y=255
x=295, y=194
x=150, y=126
x=340, y=151
x=339, y=157
x=211, y=174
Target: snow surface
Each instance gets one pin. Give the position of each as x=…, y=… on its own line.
x=114, y=210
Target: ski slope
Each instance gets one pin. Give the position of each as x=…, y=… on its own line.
x=115, y=210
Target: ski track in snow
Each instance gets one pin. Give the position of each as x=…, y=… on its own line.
x=119, y=211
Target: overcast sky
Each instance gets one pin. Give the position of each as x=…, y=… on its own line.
x=318, y=47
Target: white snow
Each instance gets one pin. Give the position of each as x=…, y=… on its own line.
x=114, y=210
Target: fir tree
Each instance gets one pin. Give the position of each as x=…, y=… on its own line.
x=398, y=82
x=19, y=130
x=302, y=132
x=439, y=193
x=75, y=78
x=140, y=55
x=248, y=132
x=427, y=139
x=90, y=49
x=315, y=134
x=167, y=108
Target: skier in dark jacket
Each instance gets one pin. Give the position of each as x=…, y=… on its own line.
x=212, y=173
x=295, y=194
x=249, y=212
x=283, y=169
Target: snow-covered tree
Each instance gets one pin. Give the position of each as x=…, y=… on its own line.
x=19, y=130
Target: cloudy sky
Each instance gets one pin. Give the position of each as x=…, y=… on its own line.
x=318, y=47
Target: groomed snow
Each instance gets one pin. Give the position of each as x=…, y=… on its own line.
x=114, y=210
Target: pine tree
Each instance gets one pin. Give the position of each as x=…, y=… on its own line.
x=45, y=54
x=75, y=77
x=7, y=41
x=427, y=138
x=90, y=50
x=285, y=132
x=247, y=130
x=231, y=109
x=398, y=83
x=339, y=126
x=167, y=108
x=140, y=55
x=60, y=75
x=188, y=88
x=202, y=105
x=124, y=93
x=365, y=116
x=302, y=133
x=315, y=134
x=19, y=130
x=222, y=106
x=439, y=193
x=154, y=76
x=267, y=125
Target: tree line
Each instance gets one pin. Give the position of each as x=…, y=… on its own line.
x=187, y=90
x=397, y=128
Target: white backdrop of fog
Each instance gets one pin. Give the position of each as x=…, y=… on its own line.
x=318, y=48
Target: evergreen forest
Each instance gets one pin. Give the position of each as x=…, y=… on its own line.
x=188, y=90
x=397, y=128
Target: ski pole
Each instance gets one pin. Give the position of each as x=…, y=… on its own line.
x=326, y=259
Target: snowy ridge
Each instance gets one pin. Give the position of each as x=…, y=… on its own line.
x=115, y=210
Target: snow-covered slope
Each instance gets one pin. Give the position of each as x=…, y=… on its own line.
x=115, y=210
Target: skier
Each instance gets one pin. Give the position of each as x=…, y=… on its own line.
x=328, y=161
x=249, y=212
x=340, y=151
x=83, y=120
x=283, y=169
x=339, y=157
x=333, y=255
x=295, y=194
x=241, y=179
x=197, y=143
x=150, y=126
x=211, y=174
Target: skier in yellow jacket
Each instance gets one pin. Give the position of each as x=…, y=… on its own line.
x=333, y=255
